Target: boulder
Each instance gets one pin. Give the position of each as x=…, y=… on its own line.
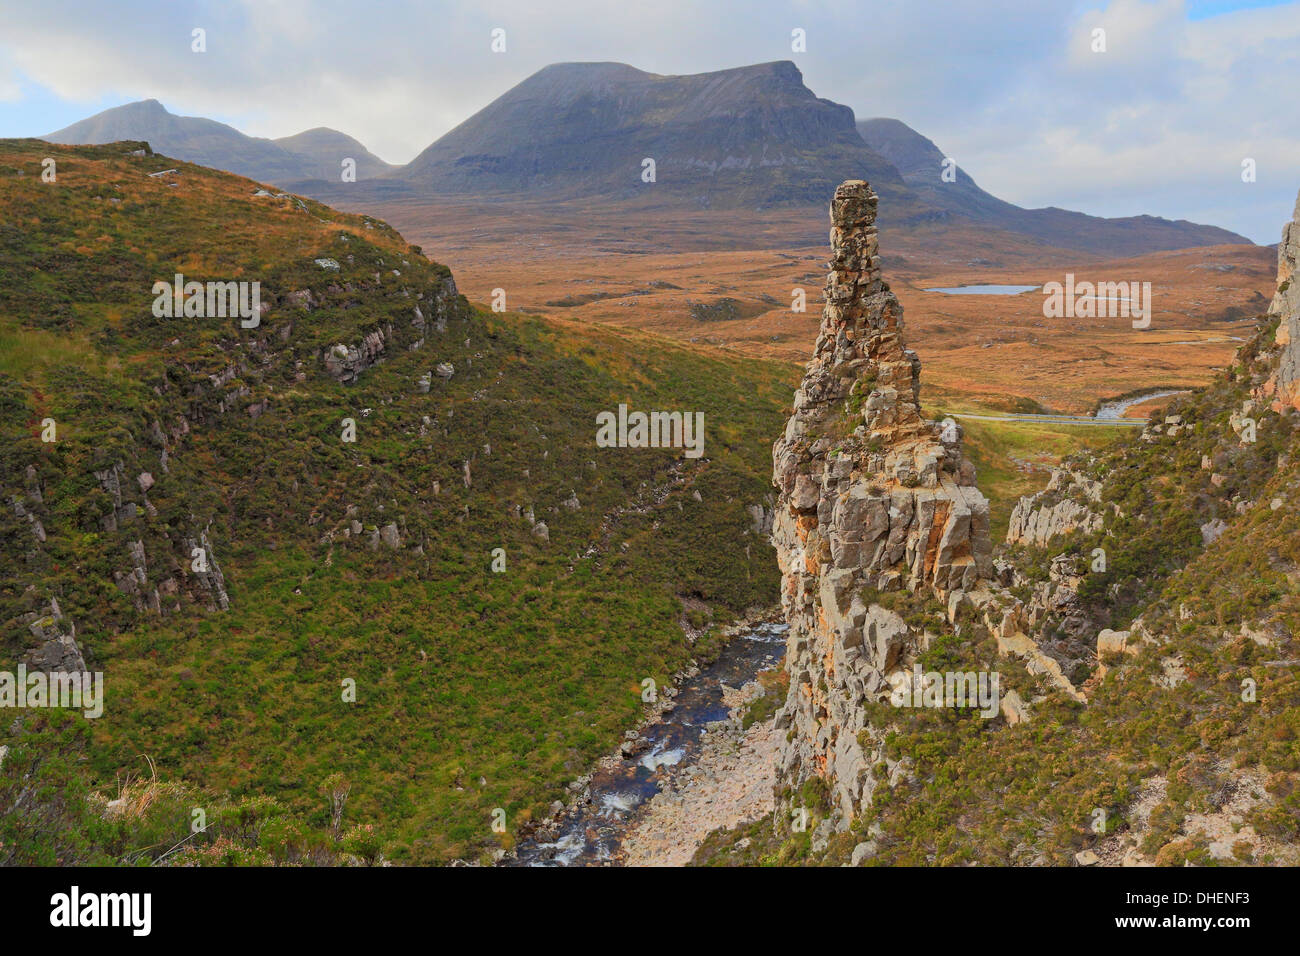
x=1113, y=642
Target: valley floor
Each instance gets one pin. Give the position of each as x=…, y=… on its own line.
x=727, y=279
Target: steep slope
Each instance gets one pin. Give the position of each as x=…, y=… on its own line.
x=311, y=155
x=920, y=162
x=491, y=584
x=751, y=136
x=1284, y=388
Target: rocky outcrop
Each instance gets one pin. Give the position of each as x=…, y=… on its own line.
x=1070, y=502
x=1286, y=305
x=208, y=572
x=123, y=511
x=346, y=362
x=56, y=650
x=872, y=497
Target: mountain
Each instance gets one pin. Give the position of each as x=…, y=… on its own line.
x=750, y=136
x=311, y=155
x=200, y=528
x=324, y=149
x=919, y=161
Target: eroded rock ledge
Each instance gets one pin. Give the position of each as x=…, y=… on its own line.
x=1070, y=502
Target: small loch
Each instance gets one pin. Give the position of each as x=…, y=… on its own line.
x=985, y=289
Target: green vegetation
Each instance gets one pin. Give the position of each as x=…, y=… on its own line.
x=474, y=690
x=775, y=684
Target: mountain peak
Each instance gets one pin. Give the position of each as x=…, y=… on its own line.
x=751, y=135
x=922, y=165
x=139, y=108
x=613, y=68
x=310, y=155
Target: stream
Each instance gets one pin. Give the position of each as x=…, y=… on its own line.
x=591, y=833
x=1116, y=409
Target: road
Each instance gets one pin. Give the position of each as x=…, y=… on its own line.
x=1056, y=419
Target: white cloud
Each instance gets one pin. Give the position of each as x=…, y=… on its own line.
x=1160, y=123
x=10, y=89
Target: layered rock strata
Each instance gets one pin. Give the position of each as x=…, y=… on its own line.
x=1070, y=502
x=872, y=497
x=1285, y=388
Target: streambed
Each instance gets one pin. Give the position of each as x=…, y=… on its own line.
x=591, y=832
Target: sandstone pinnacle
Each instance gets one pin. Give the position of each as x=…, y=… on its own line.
x=872, y=497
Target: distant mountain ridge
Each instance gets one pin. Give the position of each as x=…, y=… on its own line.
x=750, y=138
x=313, y=154
x=920, y=162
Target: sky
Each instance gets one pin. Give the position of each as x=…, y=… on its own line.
x=1160, y=122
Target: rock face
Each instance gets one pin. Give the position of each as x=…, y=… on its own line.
x=1286, y=305
x=1070, y=502
x=56, y=651
x=871, y=496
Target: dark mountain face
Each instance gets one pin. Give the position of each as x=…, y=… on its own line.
x=920, y=162
x=314, y=154
x=753, y=136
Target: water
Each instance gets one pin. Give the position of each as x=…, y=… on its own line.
x=590, y=834
x=985, y=289
x=1116, y=409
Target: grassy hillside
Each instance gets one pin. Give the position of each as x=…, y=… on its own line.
x=368, y=561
